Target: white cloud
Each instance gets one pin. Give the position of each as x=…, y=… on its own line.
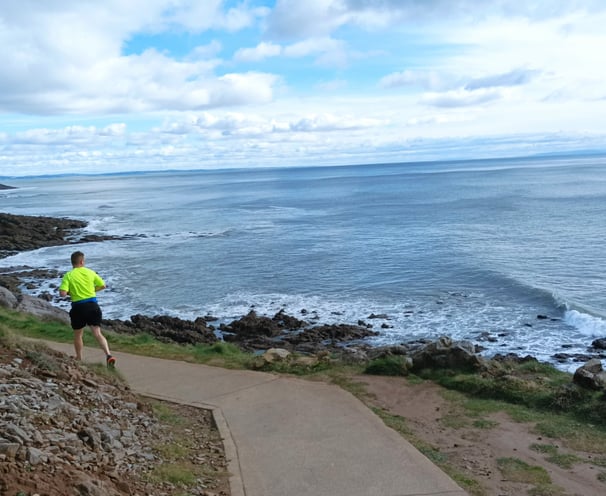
x=429, y=80
x=260, y=52
x=66, y=58
x=255, y=81
x=462, y=98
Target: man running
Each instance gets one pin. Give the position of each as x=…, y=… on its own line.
x=82, y=284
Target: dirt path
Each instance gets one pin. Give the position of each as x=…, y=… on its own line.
x=474, y=450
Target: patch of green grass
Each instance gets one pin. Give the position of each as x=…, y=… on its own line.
x=546, y=490
x=165, y=414
x=560, y=459
x=564, y=460
x=175, y=473
x=394, y=365
x=173, y=450
x=547, y=449
x=602, y=477
x=415, y=379
x=516, y=470
x=485, y=424
x=454, y=420
x=577, y=435
x=223, y=354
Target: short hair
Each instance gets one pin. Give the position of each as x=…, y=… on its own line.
x=77, y=257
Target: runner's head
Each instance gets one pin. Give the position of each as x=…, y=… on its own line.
x=77, y=259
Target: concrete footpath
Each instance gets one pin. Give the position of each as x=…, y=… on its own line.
x=289, y=437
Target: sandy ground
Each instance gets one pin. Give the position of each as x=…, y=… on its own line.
x=474, y=451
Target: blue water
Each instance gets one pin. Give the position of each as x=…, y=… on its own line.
x=455, y=248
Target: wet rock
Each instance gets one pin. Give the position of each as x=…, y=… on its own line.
x=378, y=316
x=253, y=325
x=165, y=328
x=23, y=233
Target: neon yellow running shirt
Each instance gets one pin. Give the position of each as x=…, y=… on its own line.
x=80, y=283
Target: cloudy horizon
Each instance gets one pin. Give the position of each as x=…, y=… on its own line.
x=111, y=86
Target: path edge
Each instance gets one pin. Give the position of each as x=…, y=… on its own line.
x=236, y=485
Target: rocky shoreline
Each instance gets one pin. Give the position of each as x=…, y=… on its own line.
x=251, y=332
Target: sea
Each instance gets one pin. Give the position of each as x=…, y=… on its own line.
x=507, y=253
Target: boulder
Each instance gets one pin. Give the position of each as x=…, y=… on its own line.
x=7, y=299
x=591, y=375
x=445, y=353
x=275, y=355
x=41, y=308
x=253, y=325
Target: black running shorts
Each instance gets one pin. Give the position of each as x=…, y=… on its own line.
x=83, y=314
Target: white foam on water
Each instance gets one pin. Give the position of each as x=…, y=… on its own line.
x=586, y=324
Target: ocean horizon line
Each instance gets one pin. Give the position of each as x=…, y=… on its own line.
x=538, y=156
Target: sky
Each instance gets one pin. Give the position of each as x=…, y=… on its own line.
x=101, y=86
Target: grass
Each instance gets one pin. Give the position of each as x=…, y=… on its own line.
x=535, y=386
x=395, y=365
x=398, y=423
x=175, y=473
x=177, y=467
x=530, y=393
x=220, y=354
x=516, y=470
x=562, y=460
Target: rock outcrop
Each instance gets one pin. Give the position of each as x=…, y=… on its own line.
x=67, y=431
x=24, y=232
x=166, y=329
x=446, y=353
x=591, y=375
x=33, y=306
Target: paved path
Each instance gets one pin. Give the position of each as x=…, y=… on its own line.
x=290, y=437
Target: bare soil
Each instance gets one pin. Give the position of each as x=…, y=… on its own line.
x=474, y=451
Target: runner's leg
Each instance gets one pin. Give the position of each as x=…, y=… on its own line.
x=100, y=339
x=78, y=343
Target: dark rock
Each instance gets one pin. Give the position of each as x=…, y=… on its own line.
x=164, y=328
x=253, y=325
x=599, y=343
x=513, y=358
x=23, y=233
x=20, y=232
x=4, y=186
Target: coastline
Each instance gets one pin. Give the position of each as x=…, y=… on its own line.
x=427, y=411
x=251, y=332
